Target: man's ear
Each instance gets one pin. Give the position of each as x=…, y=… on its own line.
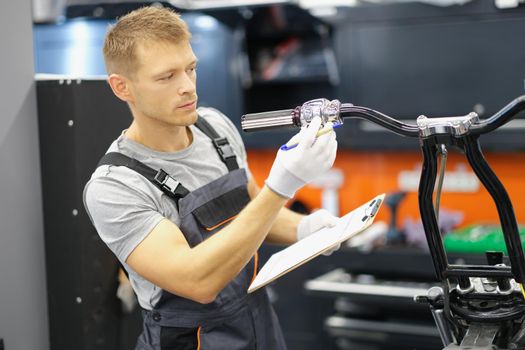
x=120, y=86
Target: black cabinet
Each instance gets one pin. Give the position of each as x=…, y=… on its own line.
x=411, y=59
x=78, y=119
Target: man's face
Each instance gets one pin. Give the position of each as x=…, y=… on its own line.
x=163, y=87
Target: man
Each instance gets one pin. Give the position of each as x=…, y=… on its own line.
x=174, y=200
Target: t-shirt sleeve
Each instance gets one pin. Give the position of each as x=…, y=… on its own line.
x=122, y=215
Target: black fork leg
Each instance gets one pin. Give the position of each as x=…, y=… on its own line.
x=426, y=208
x=503, y=204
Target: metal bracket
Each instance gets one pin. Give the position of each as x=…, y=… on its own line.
x=454, y=126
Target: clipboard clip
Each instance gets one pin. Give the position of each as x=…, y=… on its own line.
x=372, y=209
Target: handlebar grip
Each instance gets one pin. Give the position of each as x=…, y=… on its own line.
x=269, y=120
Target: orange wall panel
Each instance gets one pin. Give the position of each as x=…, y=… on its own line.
x=367, y=174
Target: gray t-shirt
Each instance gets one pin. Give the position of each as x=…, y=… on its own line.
x=124, y=206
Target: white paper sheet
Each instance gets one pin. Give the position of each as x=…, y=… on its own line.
x=308, y=248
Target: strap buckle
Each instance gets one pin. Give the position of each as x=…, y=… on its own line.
x=166, y=182
x=223, y=147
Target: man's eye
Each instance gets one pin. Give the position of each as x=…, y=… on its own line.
x=167, y=77
x=192, y=69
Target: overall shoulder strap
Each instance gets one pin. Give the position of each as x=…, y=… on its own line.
x=222, y=145
x=159, y=178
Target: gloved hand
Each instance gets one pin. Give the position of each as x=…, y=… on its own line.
x=125, y=293
x=294, y=168
x=314, y=222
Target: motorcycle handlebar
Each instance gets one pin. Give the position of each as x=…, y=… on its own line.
x=334, y=111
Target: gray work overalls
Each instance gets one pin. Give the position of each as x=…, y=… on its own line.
x=235, y=319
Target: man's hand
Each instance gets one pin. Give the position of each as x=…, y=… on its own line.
x=294, y=168
x=125, y=293
x=314, y=222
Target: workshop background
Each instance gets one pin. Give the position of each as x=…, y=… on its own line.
x=58, y=281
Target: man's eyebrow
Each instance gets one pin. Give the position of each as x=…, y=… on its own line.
x=167, y=70
x=161, y=73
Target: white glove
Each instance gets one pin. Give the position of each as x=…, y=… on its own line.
x=125, y=293
x=314, y=222
x=294, y=168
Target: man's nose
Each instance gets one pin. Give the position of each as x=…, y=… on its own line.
x=187, y=85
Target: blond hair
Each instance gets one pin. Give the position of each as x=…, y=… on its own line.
x=147, y=24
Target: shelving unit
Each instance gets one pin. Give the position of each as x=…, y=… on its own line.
x=372, y=299
x=290, y=61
